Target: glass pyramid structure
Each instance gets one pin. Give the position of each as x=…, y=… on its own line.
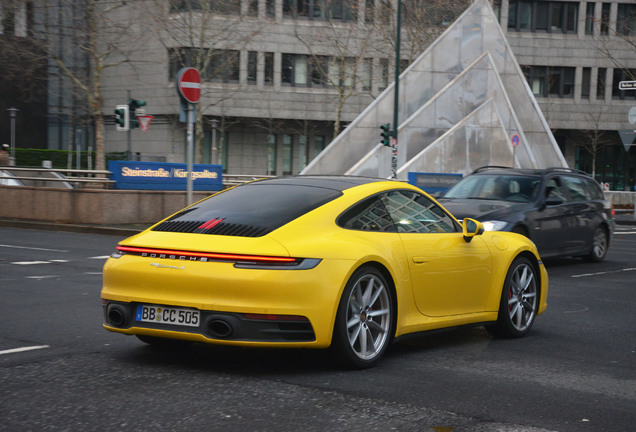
x=463, y=103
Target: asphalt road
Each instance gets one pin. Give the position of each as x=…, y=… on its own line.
x=59, y=370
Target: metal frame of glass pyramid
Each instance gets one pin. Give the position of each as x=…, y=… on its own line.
x=461, y=102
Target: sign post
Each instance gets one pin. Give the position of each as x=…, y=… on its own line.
x=189, y=87
x=515, y=140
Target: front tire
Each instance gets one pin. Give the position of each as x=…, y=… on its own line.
x=365, y=321
x=519, y=300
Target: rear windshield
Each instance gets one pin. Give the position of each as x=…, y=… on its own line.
x=250, y=210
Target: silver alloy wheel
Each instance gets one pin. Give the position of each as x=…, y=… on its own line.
x=368, y=318
x=599, y=243
x=522, y=297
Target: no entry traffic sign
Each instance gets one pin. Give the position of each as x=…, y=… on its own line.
x=189, y=84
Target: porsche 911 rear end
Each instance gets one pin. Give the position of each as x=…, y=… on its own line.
x=214, y=273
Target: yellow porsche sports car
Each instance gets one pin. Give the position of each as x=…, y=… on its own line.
x=345, y=263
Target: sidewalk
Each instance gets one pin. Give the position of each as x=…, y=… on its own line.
x=118, y=230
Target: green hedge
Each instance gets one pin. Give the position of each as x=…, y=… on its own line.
x=59, y=158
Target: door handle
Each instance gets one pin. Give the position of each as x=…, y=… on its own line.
x=419, y=260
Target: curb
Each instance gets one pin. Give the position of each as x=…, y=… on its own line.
x=53, y=226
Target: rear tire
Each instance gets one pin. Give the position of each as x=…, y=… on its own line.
x=599, y=246
x=519, y=300
x=364, y=324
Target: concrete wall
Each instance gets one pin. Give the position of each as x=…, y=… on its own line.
x=112, y=207
x=90, y=206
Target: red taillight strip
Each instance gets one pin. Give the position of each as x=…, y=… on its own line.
x=215, y=256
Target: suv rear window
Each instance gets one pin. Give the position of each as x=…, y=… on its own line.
x=250, y=210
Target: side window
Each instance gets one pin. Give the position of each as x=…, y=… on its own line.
x=553, y=189
x=577, y=188
x=414, y=213
x=368, y=215
x=595, y=190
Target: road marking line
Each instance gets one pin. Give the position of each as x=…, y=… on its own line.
x=60, y=261
x=41, y=277
x=30, y=262
x=92, y=273
x=604, y=273
x=18, y=350
x=32, y=248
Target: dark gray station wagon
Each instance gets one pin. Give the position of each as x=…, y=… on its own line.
x=563, y=211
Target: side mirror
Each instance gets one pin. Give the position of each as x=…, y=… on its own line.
x=471, y=228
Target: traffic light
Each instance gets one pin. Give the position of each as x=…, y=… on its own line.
x=133, y=106
x=121, y=117
x=386, y=134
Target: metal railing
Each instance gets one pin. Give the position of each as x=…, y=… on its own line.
x=38, y=176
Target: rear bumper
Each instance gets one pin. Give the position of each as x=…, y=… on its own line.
x=214, y=326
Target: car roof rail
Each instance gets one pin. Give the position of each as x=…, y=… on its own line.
x=565, y=169
x=489, y=167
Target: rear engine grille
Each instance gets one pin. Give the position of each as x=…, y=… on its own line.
x=226, y=229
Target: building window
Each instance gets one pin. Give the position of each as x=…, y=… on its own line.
x=319, y=68
x=586, y=83
x=605, y=17
x=271, y=154
x=302, y=152
x=185, y=57
x=319, y=144
x=294, y=70
x=270, y=8
x=269, y=69
x=225, y=66
x=600, y=83
x=589, y=18
x=287, y=154
x=561, y=82
x=542, y=16
x=369, y=11
x=252, y=8
x=365, y=74
x=215, y=6
x=626, y=19
x=623, y=75
x=551, y=81
x=384, y=74
x=222, y=65
x=300, y=70
x=251, y=67
x=337, y=10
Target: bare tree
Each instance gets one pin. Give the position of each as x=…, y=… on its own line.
x=82, y=40
x=208, y=36
x=340, y=56
x=593, y=140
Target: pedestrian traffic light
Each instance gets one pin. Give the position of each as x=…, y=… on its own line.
x=386, y=134
x=121, y=117
x=133, y=106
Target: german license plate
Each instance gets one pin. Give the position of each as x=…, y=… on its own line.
x=168, y=315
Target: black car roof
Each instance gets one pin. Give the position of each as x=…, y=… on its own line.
x=337, y=183
x=527, y=171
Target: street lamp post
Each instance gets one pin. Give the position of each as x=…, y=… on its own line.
x=213, y=123
x=13, y=113
x=396, y=90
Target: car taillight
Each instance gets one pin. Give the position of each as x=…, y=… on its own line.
x=239, y=260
